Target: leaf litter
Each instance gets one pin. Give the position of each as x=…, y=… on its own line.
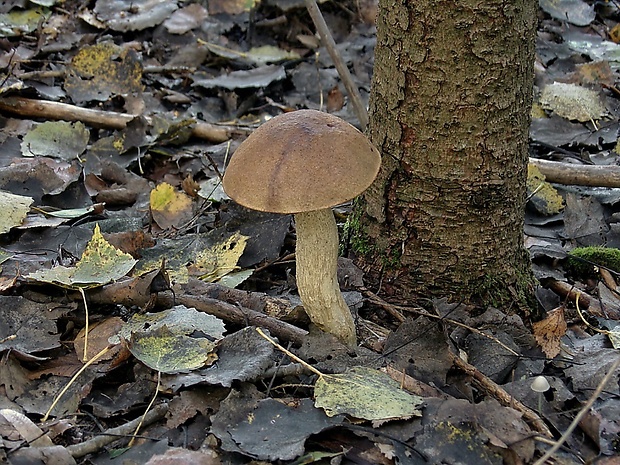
x=177, y=89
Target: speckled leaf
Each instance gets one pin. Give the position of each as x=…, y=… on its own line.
x=101, y=71
x=365, y=393
x=572, y=102
x=170, y=208
x=576, y=12
x=56, y=139
x=614, y=337
x=243, y=79
x=542, y=196
x=18, y=22
x=143, y=14
x=170, y=352
x=179, y=319
x=100, y=264
x=221, y=259
x=14, y=209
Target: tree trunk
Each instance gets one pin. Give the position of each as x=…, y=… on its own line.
x=449, y=111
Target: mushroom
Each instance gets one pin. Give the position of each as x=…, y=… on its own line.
x=305, y=162
x=540, y=385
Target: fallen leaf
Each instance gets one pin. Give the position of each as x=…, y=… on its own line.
x=573, y=102
x=56, y=139
x=169, y=207
x=100, y=264
x=216, y=262
x=549, y=331
x=365, y=393
x=14, y=210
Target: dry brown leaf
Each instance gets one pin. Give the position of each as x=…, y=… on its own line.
x=549, y=331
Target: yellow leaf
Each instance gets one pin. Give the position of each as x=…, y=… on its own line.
x=169, y=207
x=216, y=262
x=100, y=264
x=543, y=195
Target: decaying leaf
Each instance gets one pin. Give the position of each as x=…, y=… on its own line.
x=142, y=14
x=168, y=352
x=549, y=331
x=365, y=393
x=573, y=102
x=100, y=264
x=614, y=337
x=178, y=319
x=542, y=195
x=276, y=431
x=56, y=139
x=170, y=208
x=14, y=210
x=242, y=356
x=216, y=262
x=100, y=71
x=18, y=22
x=162, y=340
x=28, y=322
x=257, y=77
x=576, y=12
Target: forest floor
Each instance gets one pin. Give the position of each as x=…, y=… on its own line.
x=132, y=288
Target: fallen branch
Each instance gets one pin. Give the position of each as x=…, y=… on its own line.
x=112, y=434
x=49, y=110
x=581, y=414
x=579, y=175
x=204, y=297
x=570, y=293
x=499, y=394
x=328, y=40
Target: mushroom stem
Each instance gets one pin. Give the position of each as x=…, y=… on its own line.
x=317, y=282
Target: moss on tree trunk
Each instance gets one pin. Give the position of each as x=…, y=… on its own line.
x=449, y=111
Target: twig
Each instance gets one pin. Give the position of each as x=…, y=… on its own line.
x=239, y=315
x=394, y=311
x=581, y=413
x=72, y=380
x=502, y=396
x=98, y=118
x=290, y=354
x=111, y=435
x=341, y=67
x=579, y=175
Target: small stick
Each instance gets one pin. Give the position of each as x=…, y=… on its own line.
x=394, y=311
x=46, y=109
x=341, y=67
x=581, y=414
x=579, y=175
x=502, y=396
x=111, y=435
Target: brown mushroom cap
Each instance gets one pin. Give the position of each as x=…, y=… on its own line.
x=301, y=161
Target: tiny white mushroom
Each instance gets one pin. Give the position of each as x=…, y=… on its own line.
x=540, y=385
x=305, y=162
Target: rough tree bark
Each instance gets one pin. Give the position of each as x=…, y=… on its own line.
x=449, y=111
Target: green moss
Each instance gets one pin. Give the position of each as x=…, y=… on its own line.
x=514, y=290
x=355, y=237
x=583, y=260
